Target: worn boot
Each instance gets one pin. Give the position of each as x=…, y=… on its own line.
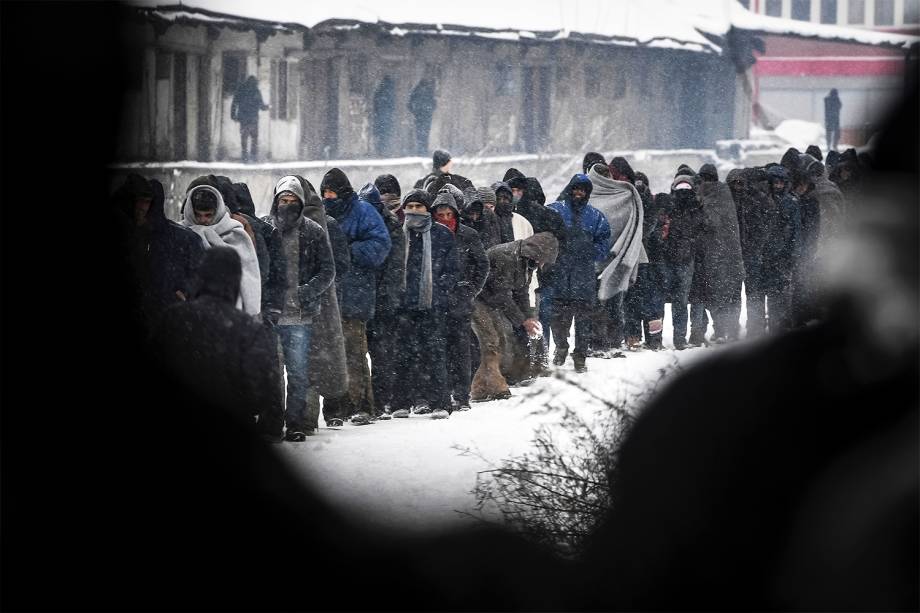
x=559, y=356
x=580, y=365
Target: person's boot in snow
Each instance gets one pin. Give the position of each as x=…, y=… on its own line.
x=401, y=413
x=421, y=408
x=360, y=419
x=335, y=422
x=439, y=414
x=559, y=357
x=463, y=405
x=295, y=436
x=580, y=365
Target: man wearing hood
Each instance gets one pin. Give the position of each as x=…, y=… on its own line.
x=504, y=211
x=390, y=194
x=684, y=223
x=162, y=254
x=472, y=272
x=431, y=276
x=221, y=354
x=309, y=272
x=478, y=213
x=369, y=242
x=502, y=306
x=780, y=257
x=383, y=342
x=719, y=268
x=205, y=213
x=573, y=285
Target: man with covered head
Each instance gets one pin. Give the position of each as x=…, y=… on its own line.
x=472, y=271
x=504, y=306
x=430, y=278
x=205, y=213
x=309, y=271
x=573, y=284
x=369, y=242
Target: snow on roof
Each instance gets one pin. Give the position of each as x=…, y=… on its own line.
x=652, y=23
x=710, y=17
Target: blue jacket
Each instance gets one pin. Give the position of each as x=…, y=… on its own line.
x=587, y=242
x=369, y=242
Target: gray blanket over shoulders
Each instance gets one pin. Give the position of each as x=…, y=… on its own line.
x=622, y=206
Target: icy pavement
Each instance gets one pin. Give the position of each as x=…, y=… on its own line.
x=411, y=474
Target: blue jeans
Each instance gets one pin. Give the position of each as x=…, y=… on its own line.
x=295, y=345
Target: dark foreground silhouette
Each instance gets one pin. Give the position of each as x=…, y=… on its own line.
x=777, y=476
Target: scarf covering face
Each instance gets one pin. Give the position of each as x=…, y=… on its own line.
x=421, y=223
x=226, y=231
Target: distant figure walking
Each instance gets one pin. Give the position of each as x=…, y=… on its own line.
x=832, y=119
x=247, y=102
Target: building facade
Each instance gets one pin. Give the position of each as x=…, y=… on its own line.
x=794, y=73
x=341, y=91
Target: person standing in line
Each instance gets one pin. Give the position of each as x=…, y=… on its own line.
x=309, y=272
x=369, y=243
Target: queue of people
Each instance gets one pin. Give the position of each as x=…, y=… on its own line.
x=455, y=291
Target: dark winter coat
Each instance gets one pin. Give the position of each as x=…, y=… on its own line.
x=587, y=242
x=219, y=351
x=472, y=262
x=783, y=246
x=390, y=275
x=511, y=267
x=328, y=367
x=542, y=218
x=247, y=102
x=163, y=255
x=719, y=268
x=656, y=225
x=369, y=242
x=316, y=264
x=685, y=226
x=473, y=270
x=753, y=206
x=443, y=267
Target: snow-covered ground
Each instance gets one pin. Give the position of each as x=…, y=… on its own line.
x=412, y=474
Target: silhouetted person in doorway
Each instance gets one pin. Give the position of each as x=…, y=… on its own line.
x=247, y=102
x=384, y=105
x=421, y=105
x=832, y=119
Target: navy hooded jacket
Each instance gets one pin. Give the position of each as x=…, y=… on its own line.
x=587, y=242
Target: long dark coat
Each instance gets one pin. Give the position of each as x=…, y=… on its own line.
x=328, y=368
x=719, y=270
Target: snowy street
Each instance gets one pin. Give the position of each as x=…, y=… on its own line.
x=411, y=473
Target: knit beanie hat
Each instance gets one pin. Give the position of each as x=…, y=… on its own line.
x=486, y=195
x=418, y=195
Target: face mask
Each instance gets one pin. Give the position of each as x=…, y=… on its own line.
x=288, y=215
x=515, y=199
